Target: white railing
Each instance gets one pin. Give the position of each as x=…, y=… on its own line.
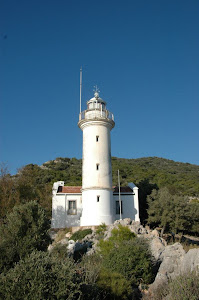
x=96, y=114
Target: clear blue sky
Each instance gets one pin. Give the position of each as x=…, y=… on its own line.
x=143, y=55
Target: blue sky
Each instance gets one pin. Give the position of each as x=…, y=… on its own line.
x=143, y=55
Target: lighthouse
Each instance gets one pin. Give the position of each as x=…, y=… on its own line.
x=96, y=123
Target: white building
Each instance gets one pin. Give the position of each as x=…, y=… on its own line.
x=97, y=201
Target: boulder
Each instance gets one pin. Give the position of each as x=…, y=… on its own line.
x=155, y=233
x=68, y=235
x=171, y=257
x=71, y=245
x=157, y=246
x=137, y=228
x=63, y=241
x=190, y=261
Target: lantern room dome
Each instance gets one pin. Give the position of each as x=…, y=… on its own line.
x=96, y=102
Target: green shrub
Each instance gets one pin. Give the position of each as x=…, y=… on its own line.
x=120, y=234
x=100, y=231
x=26, y=229
x=80, y=234
x=60, y=251
x=131, y=259
x=115, y=284
x=127, y=255
x=90, y=267
x=104, y=247
x=98, y=283
x=40, y=276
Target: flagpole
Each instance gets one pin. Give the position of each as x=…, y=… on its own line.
x=119, y=195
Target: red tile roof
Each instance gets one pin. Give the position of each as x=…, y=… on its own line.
x=69, y=189
x=77, y=189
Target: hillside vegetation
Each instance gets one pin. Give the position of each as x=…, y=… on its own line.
x=34, y=182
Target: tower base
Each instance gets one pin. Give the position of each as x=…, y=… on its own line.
x=97, y=207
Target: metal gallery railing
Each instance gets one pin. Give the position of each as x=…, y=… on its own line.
x=96, y=114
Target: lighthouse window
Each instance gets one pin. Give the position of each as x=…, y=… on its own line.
x=72, y=208
x=97, y=167
x=97, y=138
x=118, y=207
x=98, y=198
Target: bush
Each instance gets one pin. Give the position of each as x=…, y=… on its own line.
x=26, y=229
x=120, y=234
x=183, y=287
x=60, y=251
x=131, y=259
x=98, y=283
x=115, y=285
x=40, y=276
x=89, y=269
x=80, y=234
x=127, y=255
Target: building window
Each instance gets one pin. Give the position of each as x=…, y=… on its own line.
x=118, y=207
x=72, y=207
x=97, y=138
x=97, y=167
x=98, y=198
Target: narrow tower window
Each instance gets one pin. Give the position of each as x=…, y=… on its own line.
x=97, y=167
x=98, y=198
x=97, y=138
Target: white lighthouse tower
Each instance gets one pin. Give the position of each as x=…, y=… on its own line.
x=96, y=123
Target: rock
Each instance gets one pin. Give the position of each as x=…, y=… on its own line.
x=68, y=235
x=63, y=241
x=171, y=257
x=155, y=233
x=123, y=222
x=127, y=221
x=50, y=247
x=71, y=244
x=157, y=246
x=190, y=261
x=137, y=228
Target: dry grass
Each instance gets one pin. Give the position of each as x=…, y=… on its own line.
x=61, y=234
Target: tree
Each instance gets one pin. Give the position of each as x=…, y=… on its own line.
x=172, y=212
x=145, y=188
x=40, y=276
x=9, y=195
x=26, y=229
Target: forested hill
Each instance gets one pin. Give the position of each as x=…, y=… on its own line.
x=34, y=182
x=179, y=177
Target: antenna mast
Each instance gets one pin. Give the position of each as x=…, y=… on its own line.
x=80, y=96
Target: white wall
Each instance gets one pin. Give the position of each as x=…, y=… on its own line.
x=129, y=205
x=96, y=213
x=96, y=153
x=60, y=216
